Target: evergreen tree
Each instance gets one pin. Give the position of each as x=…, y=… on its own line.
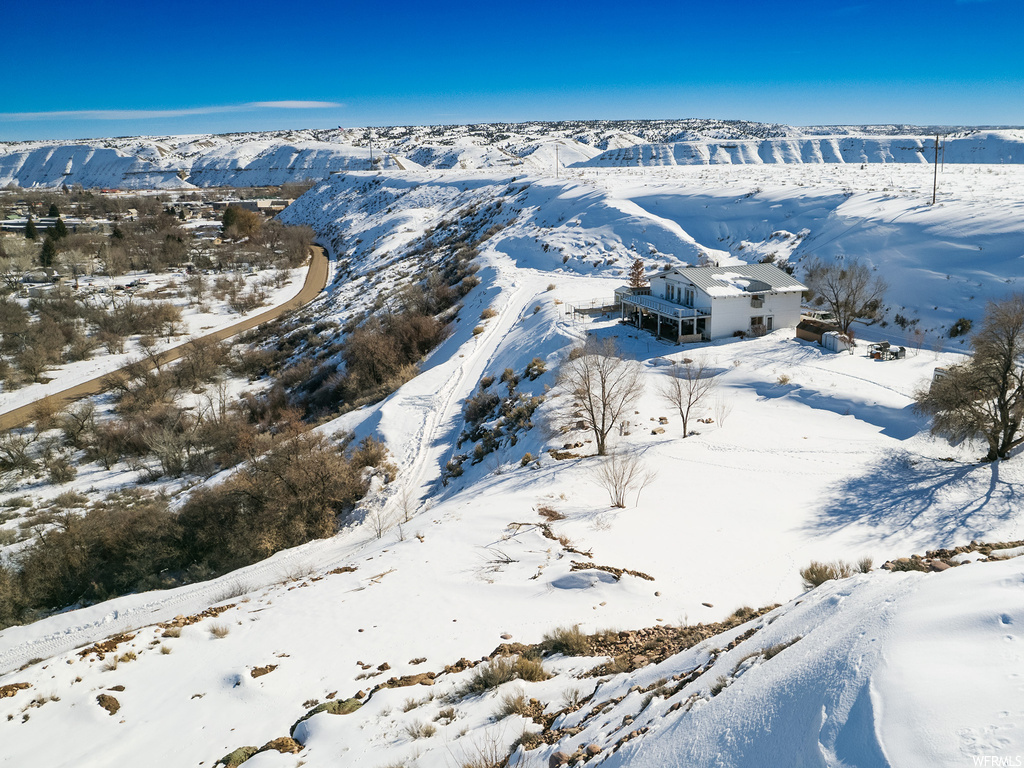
x=48, y=253
x=637, y=275
x=230, y=217
x=54, y=210
x=30, y=229
x=59, y=230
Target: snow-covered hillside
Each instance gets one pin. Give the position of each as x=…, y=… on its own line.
x=803, y=455
x=53, y=165
x=943, y=262
x=976, y=147
x=277, y=157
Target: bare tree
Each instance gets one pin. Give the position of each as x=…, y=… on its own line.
x=621, y=473
x=984, y=398
x=687, y=385
x=197, y=286
x=849, y=288
x=603, y=385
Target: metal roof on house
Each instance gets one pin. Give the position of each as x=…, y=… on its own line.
x=737, y=280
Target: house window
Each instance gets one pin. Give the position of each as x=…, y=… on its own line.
x=670, y=292
x=689, y=297
x=759, y=320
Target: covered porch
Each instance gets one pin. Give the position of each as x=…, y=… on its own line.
x=665, y=319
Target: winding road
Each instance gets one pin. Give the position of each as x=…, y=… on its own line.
x=316, y=280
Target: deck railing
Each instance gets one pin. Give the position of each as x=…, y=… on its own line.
x=666, y=308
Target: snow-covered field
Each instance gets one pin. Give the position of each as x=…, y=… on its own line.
x=809, y=455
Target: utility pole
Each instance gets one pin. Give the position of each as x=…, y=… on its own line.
x=370, y=135
x=556, y=159
x=935, y=182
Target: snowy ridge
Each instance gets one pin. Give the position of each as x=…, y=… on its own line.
x=980, y=147
x=277, y=157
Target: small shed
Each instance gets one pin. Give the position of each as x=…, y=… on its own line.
x=834, y=341
x=810, y=329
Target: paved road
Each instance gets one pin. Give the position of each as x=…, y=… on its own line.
x=316, y=279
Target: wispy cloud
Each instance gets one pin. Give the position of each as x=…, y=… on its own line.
x=294, y=104
x=149, y=114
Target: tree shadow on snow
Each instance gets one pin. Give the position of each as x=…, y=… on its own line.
x=900, y=495
x=898, y=423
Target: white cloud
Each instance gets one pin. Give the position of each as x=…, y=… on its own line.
x=148, y=114
x=295, y=104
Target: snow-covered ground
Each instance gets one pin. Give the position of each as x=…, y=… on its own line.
x=809, y=455
x=197, y=319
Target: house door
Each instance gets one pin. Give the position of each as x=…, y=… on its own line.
x=769, y=324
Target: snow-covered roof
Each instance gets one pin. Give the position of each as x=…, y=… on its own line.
x=739, y=280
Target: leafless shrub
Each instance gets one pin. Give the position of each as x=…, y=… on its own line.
x=513, y=704
x=719, y=685
x=548, y=513
x=620, y=473
x=487, y=753
x=722, y=410
x=505, y=669
x=573, y=698
x=568, y=641
x=379, y=519
x=778, y=648
x=817, y=573
x=410, y=704
x=418, y=730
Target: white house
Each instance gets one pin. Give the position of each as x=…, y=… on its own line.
x=697, y=303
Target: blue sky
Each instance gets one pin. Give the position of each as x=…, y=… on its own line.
x=96, y=68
